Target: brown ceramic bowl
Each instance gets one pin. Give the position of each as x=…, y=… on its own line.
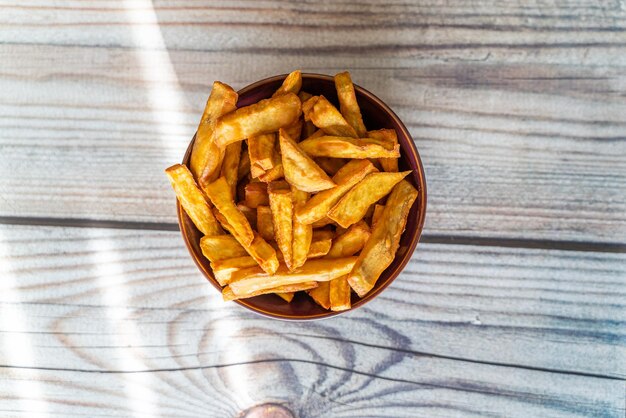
x=376, y=115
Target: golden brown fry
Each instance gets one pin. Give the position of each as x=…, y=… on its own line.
x=254, y=279
x=256, y=195
x=316, y=134
x=264, y=222
x=322, y=234
x=347, y=102
x=323, y=222
x=206, y=157
x=318, y=206
x=220, y=247
x=249, y=213
x=340, y=147
x=321, y=294
x=263, y=117
x=378, y=210
x=192, y=200
x=244, y=166
x=224, y=269
x=276, y=172
x=300, y=170
x=282, y=291
x=380, y=249
x=282, y=218
x=291, y=84
x=294, y=130
x=330, y=165
x=221, y=196
x=230, y=165
x=389, y=136
x=354, y=205
x=302, y=234
x=319, y=248
x=350, y=242
x=326, y=117
x=339, y=294
x=261, y=151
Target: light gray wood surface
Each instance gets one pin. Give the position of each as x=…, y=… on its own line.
x=513, y=304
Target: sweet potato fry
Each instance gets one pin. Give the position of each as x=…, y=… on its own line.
x=380, y=249
x=350, y=242
x=254, y=279
x=302, y=234
x=340, y=147
x=319, y=248
x=230, y=165
x=330, y=165
x=321, y=294
x=282, y=217
x=206, y=157
x=326, y=117
x=220, y=247
x=291, y=84
x=378, y=210
x=256, y=195
x=261, y=150
x=339, y=294
x=281, y=291
x=300, y=170
x=353, y=206
x=264, y=222
x=249, y=213
x=192, y=200
x=391, y=138
x=221, y=196
x=318, y=206
x=224, y=269
x=347, y=102
x=263, y=117
x=244, y=166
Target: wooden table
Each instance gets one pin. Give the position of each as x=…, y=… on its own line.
x=513, y=303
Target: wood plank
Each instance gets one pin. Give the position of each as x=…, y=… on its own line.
x=552, y=310
x=511, y=149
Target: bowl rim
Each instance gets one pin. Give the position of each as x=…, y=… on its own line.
x=405, y=258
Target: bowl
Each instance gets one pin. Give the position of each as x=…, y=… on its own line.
x=376, y=115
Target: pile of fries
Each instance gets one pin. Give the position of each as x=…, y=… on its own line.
x=293, y=194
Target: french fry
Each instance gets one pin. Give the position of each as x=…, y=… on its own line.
x=264, y=222
x=249, y=213
x=263, y=117
x=250, y=280
x=192, y=200
x=261, y=150
x=322, y=234
x=339, y=294
x=350, y=242
x=276, y=172
x=302, y=234
x=389, y=136
x=348, y=104
x=318, y=205
x=323, y=222
x=281, y=205
x=244, y=166
x=380, y=249
x=221, y=196
x=294, y=130
x=300, y=170
x=220, y=247
x=280, y=291
x=321, y=294
x=378, y=210
x=256, y=195
x=326, y=117
x=206, y=156
x=330, y=165
x=340, y=147
x=319, y=248
x=353, y=206
x=230, y=165
x=224, y=269
x=316, y=134
x=291, y=84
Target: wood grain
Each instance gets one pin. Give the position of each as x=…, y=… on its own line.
x=518, y=112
